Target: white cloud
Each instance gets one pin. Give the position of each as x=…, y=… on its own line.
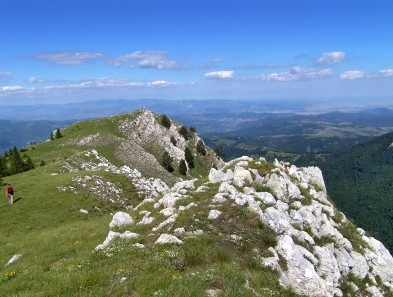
x=297, y=73
x=226, y=74
x=161, y=83
x=35, y=80
x=147, y=59
x=111, y=83
x=11, y=88
x=352, y=74
x=386, y=72
x=8, y=90
x=69, y=57
x=331, y=58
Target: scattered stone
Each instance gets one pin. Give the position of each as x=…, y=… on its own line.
x=83, y=211
x=146, y=220
x=112, y=235
x=213, y=292
x=13, y=260
x=214, y=214
x=121, y=219
x=167, y=238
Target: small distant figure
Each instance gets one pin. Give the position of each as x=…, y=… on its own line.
x=287, y=166
x=10, y=193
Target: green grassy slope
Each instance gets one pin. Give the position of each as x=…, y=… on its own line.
x=57, y=245
x=57, y=242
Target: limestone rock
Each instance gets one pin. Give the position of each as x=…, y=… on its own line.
x=112, y=235
x=168, y=239
x=276, y=220
x=13, y=260
x=214, y=214
x=266, y=198
x=121, y=219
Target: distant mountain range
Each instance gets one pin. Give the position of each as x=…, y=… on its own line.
x=253, y=127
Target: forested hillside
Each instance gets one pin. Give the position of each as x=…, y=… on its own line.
x=360, y=181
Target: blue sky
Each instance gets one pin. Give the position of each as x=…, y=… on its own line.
x=69, y=51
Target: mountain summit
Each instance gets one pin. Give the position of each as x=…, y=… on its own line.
x=114, y=222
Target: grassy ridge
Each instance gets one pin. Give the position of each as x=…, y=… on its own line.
x=56, y=242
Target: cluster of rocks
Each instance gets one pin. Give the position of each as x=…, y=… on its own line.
x=312, y=256
x=104, y=189
x=312, y=269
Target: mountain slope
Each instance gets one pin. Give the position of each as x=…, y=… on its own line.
x=92, y=224
x=360, y=181
x=137, y=139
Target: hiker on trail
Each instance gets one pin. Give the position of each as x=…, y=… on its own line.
x=10, y=193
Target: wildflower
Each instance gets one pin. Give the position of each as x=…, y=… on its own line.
x=10, y=274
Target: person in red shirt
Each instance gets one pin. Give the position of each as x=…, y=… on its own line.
x=9, y=190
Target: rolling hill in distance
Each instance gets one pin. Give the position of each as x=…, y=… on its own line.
x=249, y=126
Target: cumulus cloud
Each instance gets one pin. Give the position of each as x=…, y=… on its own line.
x=332, y=58
x=146, y=59
x=226, y=74
x=8, y=90
x=11, y=88
x=297, y=73
x=352, y=74
x=386, y=72
x=69, y=57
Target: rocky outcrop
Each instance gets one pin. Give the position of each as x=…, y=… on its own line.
x=318, y=257
x=317, y=252
x=145, y=140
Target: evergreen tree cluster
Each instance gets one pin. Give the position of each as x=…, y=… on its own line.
x=165, y=121
x=12, y=162
x=201, y=147
x=57, y=135
x=360, y=181
x=167, y=162
x=187, y=133
x=184, y=165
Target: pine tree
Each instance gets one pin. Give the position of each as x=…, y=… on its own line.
x=58, y=134
x=28, y=163
x=165, y=121
x=219, y=150
x=173, y=140
x=184, y=132
x=189, y=157
x=3, y=167
x=51, y=136
x=201, y=147
x=166, y=162
x=17, y=164
x=42, y=163
x=182, y=167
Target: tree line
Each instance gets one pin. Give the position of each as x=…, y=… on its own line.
x=12, y=162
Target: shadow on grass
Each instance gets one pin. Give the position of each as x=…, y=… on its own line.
x=17, y=199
